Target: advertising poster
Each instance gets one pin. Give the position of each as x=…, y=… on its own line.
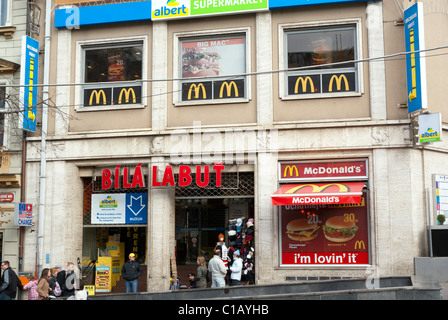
x=119, y=208
x=213, y=57
x=324, y=234
x=103, y=279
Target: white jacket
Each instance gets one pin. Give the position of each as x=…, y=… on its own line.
x=217, y=268
x=236, y=269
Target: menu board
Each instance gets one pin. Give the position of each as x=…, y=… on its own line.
x=313, y=235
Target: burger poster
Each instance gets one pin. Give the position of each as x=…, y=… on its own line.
x=216, y=57
x=324, y=234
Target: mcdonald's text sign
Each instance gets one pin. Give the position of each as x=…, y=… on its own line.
x=309, y=171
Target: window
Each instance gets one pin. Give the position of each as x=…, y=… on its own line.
x=315, y=56
x=212, y=69
x=3, y=13
x=106, y=70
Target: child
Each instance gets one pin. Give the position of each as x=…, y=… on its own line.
x=192, y=281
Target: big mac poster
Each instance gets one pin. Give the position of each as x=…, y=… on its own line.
x=323, y=235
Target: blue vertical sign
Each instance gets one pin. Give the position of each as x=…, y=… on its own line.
x=136, y=208
x=415, y=61
x=28, y=78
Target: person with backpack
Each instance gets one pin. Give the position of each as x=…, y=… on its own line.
x=9, y=282
x=201, y=273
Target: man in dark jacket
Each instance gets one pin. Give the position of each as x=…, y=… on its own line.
x=9, y=283
x=131, y=271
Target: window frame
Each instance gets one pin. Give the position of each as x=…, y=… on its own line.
x=82, y=46
x=179, y=37
x=8, y=21
x=286, y=28
x=5, y=142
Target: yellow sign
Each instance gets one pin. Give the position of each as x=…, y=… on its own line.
x=127, y=92
x=304, y=83
x=338, y=82
x=90, y=290
x=413, y=93
x=229, y=88
x=103, y=278
x=97, y=94
x=197, y=88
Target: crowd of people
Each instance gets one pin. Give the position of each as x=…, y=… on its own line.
x=231, y=262
x=53, y=283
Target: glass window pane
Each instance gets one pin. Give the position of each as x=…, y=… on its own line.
x=213, y=57
x=3, y=12
x=123, y=63
x=322, y=46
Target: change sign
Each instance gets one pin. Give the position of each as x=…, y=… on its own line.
x=23, y=214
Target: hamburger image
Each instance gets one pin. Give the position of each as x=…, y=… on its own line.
x=115, y=69
x=338, y=229
x=200, y=62
x=301, y=230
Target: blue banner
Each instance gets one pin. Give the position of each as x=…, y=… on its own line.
x=415, y=61
x=29, y=77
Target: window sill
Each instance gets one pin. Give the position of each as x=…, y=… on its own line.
x=110, y=108
x=322, y=96
x=209, y=102
x=7, y=31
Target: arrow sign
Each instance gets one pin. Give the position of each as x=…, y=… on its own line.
x=136, y=208
x=136, y=205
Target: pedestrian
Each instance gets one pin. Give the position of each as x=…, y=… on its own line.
x=9, y=282
x=43, y=286
x=236, y=268
x=31, y=286
x=192, y=281
x=54, y=284
x=80, y=291
x=201, y=273
x=131, y=271
x=66, y=279
x=218, y=270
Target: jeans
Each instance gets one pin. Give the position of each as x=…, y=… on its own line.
x=131, y=286
x=218, y=282
x=4, y=296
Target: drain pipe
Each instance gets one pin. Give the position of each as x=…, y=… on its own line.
x=43, y=160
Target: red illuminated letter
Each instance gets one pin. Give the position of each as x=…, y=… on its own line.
x=218, y=168
x=184, y=176
x=168, y=177
x=200, y=183
x=106, y=182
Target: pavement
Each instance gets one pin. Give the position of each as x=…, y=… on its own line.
x=444, y=291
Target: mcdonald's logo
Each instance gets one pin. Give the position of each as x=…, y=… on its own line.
x=127, y=93
x=291, y=170
x=359, y=244
x=317, y=189
x=229, y=88
x=97, y=94
x=304, y=83
x=338, y=82
x=197, y=88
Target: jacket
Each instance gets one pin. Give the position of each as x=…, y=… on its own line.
x=217, y=268
x=10, y=282
x=131, y=270
x=201, y=277
x=42, y=289
x=236, y=269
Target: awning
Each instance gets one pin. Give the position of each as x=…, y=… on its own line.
x=318, y=193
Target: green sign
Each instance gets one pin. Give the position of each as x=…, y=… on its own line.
x=176, y=9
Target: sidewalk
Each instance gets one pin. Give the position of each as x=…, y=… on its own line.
x=444, y=291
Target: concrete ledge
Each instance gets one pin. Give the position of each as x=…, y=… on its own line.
x=390, y=288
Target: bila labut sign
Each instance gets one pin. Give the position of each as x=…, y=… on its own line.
x=415, y=59
x=120, y=177
x=176, y=9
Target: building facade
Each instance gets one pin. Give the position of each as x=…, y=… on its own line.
x=174, y=120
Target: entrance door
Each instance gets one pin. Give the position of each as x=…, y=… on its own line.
x=198, y=225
